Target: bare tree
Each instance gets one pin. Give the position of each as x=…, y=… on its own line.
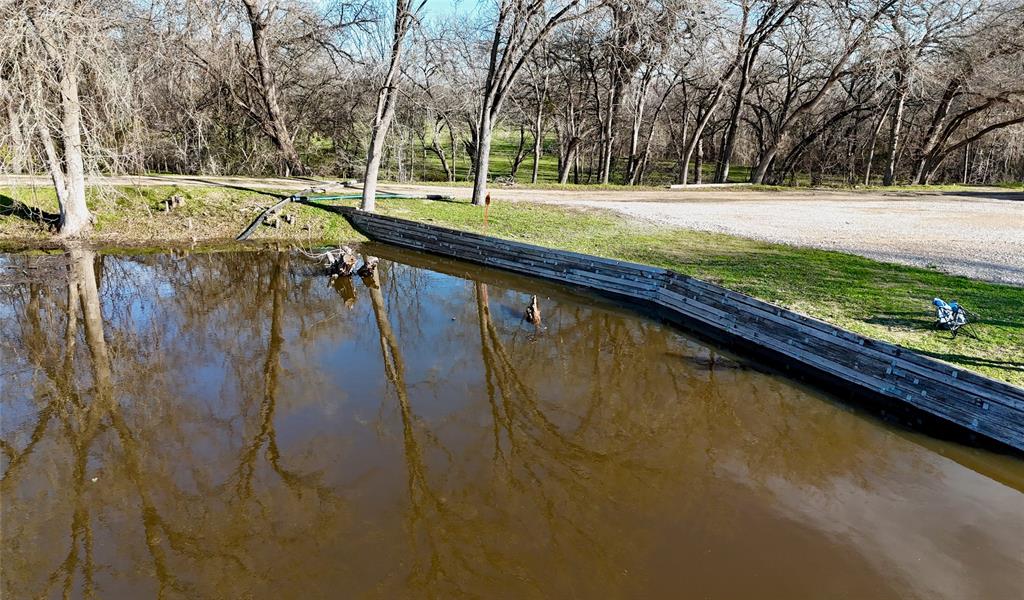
x=268, y=113
x=61, y=56
x=853, y=18
x=387, y=97
x=520, y=25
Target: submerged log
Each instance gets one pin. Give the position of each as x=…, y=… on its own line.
x=340, y=262
x=369, y=266
x=533, y=312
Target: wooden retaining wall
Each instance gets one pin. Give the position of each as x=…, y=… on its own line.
x=981, y=405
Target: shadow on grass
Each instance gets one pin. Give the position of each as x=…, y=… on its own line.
x=919, y=320
x=243, y=188
x=918, y=323
x=989, y=195
x=15, y=208
x=1010, y=365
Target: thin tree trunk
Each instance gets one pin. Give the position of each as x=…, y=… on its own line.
x=17, y=136
x=608, y=136
x=438, y=150
x=275, y=123
x=729, y=142
x=536, y=153
x=698, y=163
x=517, y=160
x=967, y=162
x=455, y=160
x=538, y=130
x=702, y=122
x=871, y=145
x=386, y=100
x=483, y=157
x=895, y=126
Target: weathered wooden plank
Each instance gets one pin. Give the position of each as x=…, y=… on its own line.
x=921, y=366
x=917, y=369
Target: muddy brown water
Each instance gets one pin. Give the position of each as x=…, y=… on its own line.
x=230, y=425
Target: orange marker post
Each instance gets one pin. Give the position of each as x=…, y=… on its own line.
x=487, y=204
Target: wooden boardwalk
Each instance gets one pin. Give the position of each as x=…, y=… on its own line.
x=975, y=404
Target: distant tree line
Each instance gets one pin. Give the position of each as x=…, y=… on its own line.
x=611, y=91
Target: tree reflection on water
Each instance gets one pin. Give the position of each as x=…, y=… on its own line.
x=230, y=425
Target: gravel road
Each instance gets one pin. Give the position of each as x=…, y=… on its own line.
x=978, y=233
x=979, y=238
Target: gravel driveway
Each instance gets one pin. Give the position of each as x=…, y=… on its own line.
x=979, y=238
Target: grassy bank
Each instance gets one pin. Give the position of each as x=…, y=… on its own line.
x=888, y=302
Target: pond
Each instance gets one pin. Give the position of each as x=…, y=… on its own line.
x=232, y=424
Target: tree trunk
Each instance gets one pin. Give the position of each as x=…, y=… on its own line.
x=702, y=122
x=66, y=164
x=370, y=174
x=895, y=125
x=438, y=150
x=931, y=136
x=967, y=162
x=871, y=144
x=17, y=136
x=76, y=215
x=517, y=160
x=608, y=138
x=455, y=161
x=483, y=157
x=538, y=132
x=567, y=160
x=729, y=143
x=758, y=175
x=274, y=120
x=698, y=163
x=385, y=113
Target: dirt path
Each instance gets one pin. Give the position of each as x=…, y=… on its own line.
x=978, y=233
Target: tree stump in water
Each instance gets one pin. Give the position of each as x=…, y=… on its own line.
x=369, y=266
x=533, y=312
x=340, y=262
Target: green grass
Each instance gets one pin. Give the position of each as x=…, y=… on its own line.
x=133, y=216
x=884, y=301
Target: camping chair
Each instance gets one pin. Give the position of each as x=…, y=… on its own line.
x=954, y=317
